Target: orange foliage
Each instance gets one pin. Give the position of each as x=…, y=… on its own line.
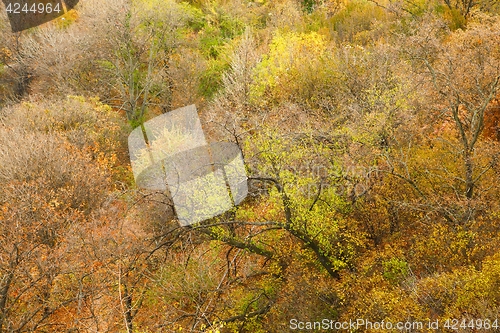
x=492, y=121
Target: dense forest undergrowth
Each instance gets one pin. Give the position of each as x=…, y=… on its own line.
x=370, y=131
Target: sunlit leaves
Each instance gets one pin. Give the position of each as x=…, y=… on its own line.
x=290, y=67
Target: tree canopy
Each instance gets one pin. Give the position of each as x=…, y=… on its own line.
x=370, y=134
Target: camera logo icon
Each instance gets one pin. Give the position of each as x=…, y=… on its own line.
x=169, y=153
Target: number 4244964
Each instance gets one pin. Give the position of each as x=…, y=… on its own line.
x=36, y=8
x=477, y=324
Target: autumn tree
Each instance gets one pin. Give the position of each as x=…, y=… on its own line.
x=55, y=176
x=462, y=75
x=140, y=67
